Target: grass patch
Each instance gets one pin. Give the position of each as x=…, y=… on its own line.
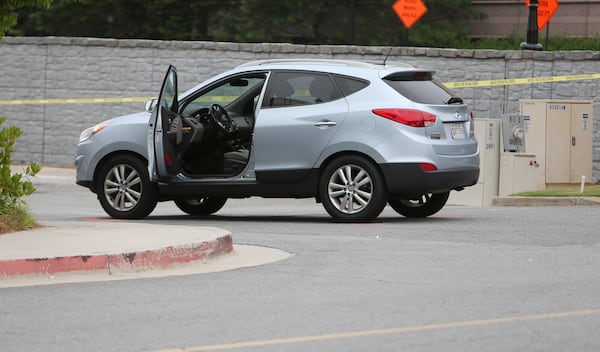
x=15, y=219
x=589, y=191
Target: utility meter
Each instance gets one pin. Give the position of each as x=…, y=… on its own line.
x=513, y=133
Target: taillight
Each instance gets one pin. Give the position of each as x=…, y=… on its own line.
x=409, y=117
x=427, y=167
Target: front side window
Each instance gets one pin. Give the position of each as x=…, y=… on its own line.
x=300, y=88
x=229, y=92
x=168, y=94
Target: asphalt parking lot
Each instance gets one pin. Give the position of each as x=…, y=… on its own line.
x=470, y=278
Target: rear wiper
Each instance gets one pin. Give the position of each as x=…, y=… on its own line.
x=454, y=100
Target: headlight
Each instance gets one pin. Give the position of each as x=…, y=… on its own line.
x=89, y=132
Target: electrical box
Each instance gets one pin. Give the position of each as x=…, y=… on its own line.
x=487, y=132
x=559, y=133
x=517, y=173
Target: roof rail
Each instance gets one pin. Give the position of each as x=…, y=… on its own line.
x=338, y=62
x=310, y=62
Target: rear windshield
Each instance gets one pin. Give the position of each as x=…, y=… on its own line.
x=420, y=88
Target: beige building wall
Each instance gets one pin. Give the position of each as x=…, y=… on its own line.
x=574, y=18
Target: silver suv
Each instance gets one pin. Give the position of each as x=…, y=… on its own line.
x=353, y=135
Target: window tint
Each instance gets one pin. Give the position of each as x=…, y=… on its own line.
x=350, y=85
x=300, y=88
x=420, y=88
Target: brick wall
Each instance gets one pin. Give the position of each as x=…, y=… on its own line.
x=58, y=68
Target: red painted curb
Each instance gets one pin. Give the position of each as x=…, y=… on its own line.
x=150, y=259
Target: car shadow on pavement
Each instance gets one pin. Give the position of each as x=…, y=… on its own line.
x=322, y=219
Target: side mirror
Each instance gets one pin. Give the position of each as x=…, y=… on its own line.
x=150, y=104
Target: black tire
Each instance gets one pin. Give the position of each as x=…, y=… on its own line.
x=352, y=189
x=419, y=207
x=200, y=205
x=124, y=189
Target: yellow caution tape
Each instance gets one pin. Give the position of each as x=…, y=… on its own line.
x=464, y=84
x=514, y=81
x=73, y=101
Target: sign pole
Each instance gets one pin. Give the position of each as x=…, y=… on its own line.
x=547, y=35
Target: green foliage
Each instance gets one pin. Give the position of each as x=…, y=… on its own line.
x=360, y=22
x=12, y=187
x=8, y=14
x=142, y=19
x=444, y=24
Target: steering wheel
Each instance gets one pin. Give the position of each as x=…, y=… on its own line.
x=221, y=119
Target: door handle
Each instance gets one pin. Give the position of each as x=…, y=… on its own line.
x=573, y=140
x=325, y=123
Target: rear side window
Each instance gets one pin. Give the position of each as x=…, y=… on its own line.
x=420, y=87
x=350, y=85
x=300, y=88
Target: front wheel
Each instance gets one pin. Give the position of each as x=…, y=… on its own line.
x=352, y=189
x=419, y=207
x=200, y=205
x=124, y=188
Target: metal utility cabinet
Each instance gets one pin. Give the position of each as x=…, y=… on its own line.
x=487, y=132
x=559, y=133
x=517, y=169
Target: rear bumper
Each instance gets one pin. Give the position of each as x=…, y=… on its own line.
x=410, y=180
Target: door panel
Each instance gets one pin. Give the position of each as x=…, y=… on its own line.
x=292, y=138
x=301, y=111
x=162, y=160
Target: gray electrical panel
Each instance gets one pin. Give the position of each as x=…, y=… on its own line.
x=513, y=132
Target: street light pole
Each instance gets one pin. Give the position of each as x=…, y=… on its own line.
x=532, y=28
x=351, y=23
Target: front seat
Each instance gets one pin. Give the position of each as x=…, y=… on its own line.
x=234, y=162
x=281, y=93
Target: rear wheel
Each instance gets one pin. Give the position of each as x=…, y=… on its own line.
x=352, y=189
x=200, y=205
x=124, y=189
x=419, y=207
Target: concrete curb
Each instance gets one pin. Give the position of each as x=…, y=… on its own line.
x=544, y=201
x=125, y=262
x=107, y=246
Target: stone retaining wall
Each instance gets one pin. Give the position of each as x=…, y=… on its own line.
x=61, y=68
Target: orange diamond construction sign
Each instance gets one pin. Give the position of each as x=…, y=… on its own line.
x=409, y=11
